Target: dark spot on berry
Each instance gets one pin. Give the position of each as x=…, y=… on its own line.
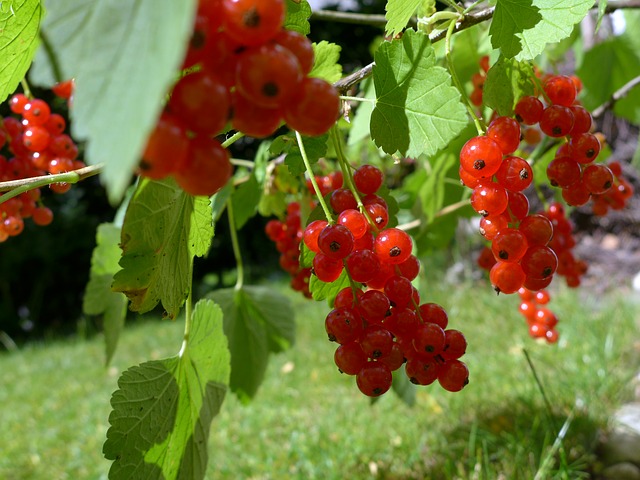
x=553, y=183
x=413, y=380
x=479, y=164
x=270, y=89
x=466, y=381
x=546, y=272
x=518, y=118
x=483, y=232
x=376, y=354
x=607, y=185
x=429, y=349
x=395, y=251
x=484, y=213
x=590, y=153
x=379, y=220
x=334, y=246
x=332, y=338
x=198, y=40
x=377, y=391
x=556, y=130
x=524, y=174
x=496, y=289
x=503, y=254
x=251, y=18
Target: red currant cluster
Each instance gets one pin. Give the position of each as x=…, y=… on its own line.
x=477, y=80
x=562, y=244
x=242, y=67
x=37, y=146
x=572, y=169
x=380, y=328
x=518, y=240
x=617, y=196
x=287, y=236
x=541, y=320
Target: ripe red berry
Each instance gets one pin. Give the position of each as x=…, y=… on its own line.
x=489, y=198
x=514, y=174
x=453, y=375
x=584, y=148
x=556, y=121
x=507, y=277
x=374, y=379
x=537, y=229
x=362, y=265
x=311, y=233
x=455, y=345
x=529, y=110
x=539, y=262
x=206, y=169
x=253, y=22
x=300, y=46
x=481, y=157
x=326, y=269
x=505, y=131
x=376, y=341
x=343, y=325
x=355, y=221
x=314, y=108
x=563, y=171
x=268, y=75
x=561, y=90
x=368, y=179
x=166, y=148
x=509, y=245
x=597, y=178
x=335, y=241
x=393, y=246
x=350, y=358
x=202, y=102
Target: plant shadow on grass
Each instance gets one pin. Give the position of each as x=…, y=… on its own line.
x=518, y=443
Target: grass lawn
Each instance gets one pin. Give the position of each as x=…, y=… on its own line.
x=310, y=422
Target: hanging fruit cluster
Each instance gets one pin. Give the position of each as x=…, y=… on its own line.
x=36, y=145
x=244, y=70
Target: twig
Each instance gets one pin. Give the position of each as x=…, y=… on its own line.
x=617, y=95
x=469, y=20
x=16, y=187
x=344, y=84
x=375, y=20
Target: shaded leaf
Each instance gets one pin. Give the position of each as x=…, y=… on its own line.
x=162, y=410
x=507, y=81
x=257, y=322
x=164, y=228
x=124, y=57
x=327, y=291
x=99, y=299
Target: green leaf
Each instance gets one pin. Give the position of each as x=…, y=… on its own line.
x=605, y=69
x=124, y=56
x=398, y=14
x=297, y=17
x=315, y=148
x=602, y=8
x=19, y=24
x=99, y=299
x=433, y=189
x=362, y=119
x=417, y=109
x=164, y=228
x=522, y=29
x=507, y=81
x=403, y=388
x=257, y=322
x=162, y=410
x=510, y=19
x=326, y=64
x=328, y=291
x=219, y=201
x=540, y=165
x=247, y=196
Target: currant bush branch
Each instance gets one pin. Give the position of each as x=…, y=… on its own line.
x=617, y=95
x=16, y=187
x=237, y=252
x=468, y=20
x=375, y=20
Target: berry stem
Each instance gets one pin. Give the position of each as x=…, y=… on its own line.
x=237, y=253
x=480, y=126
x=26, y=89
x=312, y=178
x=188, y=321
x=232, y=139
x=336, y=139
x=357, y=99
x=16, y=187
